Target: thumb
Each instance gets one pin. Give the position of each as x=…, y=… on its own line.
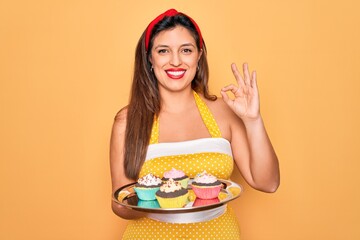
x=225, y=97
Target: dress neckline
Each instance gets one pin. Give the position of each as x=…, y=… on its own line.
x=206, y=115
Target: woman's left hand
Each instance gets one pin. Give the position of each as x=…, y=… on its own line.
x=246, y=102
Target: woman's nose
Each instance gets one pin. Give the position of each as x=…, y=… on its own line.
x=175, y=60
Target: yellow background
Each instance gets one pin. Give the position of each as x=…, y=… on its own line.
x=65, y=70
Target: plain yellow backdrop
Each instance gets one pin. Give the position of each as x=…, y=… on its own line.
x=65, y=70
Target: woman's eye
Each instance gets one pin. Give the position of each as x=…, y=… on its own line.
x=162, y=51
x=187, y=50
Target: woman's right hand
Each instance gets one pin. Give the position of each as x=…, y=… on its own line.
x=126, y=213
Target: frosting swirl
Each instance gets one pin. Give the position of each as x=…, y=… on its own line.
x=170, y=186
x=149, y=180
x=205, y=177
x=174, y=173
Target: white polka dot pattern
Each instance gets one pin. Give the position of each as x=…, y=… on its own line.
x=219, y=164
x=154, y=138
x=207, y=117
x=224, y=227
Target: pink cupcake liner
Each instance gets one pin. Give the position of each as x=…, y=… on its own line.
x=206, y=192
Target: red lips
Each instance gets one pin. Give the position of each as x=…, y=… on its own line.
x=175, y=73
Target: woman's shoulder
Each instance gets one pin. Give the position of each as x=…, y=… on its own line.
x=120, y=119
x=121, y=114
x=218, y=107
x=223, y=115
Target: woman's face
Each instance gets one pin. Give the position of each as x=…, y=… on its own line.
x=174, y=57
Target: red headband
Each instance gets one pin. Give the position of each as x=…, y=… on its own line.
x=168, y=13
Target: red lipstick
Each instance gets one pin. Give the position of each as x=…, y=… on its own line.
x=175, y=73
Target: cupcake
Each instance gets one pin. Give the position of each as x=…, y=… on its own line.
x=172, y=195
x=206, y=186
x=177, y=175
x=147, y=186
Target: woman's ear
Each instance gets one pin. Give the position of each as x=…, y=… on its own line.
x=150, y=59
x=200, y=54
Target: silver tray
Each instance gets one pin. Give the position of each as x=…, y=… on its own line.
x=127, y=197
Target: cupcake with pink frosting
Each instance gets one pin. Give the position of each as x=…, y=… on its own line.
x=147, y=186
x=206, y=186
x=176, y=175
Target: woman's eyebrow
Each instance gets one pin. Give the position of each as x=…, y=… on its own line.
x=161, y=46
x=188, y=44
x=182, y=45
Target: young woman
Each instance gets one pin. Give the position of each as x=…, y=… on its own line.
x=173, y=121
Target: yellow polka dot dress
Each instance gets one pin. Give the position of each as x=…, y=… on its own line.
x=210, y=154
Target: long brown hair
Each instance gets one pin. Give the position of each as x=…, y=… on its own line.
x=144, y=101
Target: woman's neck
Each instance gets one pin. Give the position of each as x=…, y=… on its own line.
x=176, y=102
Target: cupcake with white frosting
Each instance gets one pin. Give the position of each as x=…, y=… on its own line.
x=172, y=195
x=206, y=186
x=147, y=186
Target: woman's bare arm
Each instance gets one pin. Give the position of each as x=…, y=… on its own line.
x=118, y=177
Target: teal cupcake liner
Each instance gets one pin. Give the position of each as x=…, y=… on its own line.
x=146, y=193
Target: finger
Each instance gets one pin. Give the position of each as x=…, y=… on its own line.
x=229, y=87
x=225, y=97
x=246, y=74
x=234, y=89
x=253, y=80
x=239, y=78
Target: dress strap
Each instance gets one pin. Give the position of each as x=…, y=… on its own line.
x=154, y=138
x=207, y=117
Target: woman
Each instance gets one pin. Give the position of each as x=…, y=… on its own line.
x=171, y=108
